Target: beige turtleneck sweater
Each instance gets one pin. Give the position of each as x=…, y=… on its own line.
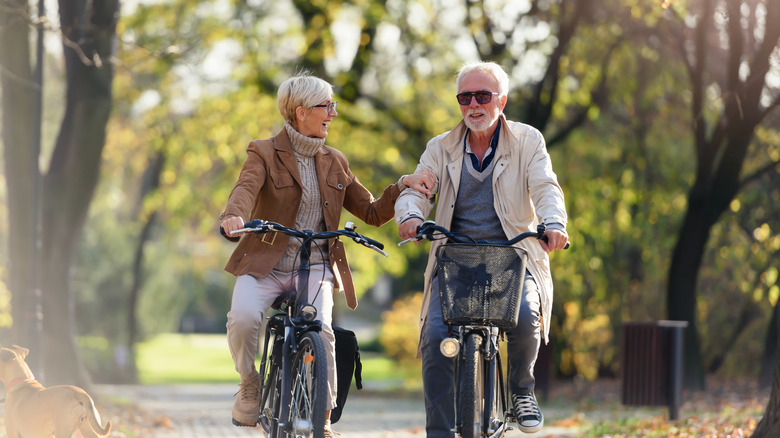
x=310, y=211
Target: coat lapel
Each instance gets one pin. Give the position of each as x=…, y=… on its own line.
x=322, y=162
x=504, y=150
x=286, y=155
x=452, y=144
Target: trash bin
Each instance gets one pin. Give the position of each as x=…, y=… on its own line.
x=652, y=364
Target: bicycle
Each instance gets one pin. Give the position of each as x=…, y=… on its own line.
x=293, y=368
x=478, y=284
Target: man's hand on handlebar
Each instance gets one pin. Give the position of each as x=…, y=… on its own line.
x=408, y=229
x=556, y=239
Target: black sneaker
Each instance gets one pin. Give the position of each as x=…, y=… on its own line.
x=529, y=416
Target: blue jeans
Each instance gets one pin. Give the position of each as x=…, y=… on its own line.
x=438, y=372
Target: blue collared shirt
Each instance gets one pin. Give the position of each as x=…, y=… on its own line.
x=489, y=154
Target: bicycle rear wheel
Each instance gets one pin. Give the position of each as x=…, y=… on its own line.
x=473, y=389
x=309, y=388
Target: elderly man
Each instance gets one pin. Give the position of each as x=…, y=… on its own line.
x=494, y=181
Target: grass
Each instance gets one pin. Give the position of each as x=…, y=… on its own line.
x=205, y=358
x=185, y=358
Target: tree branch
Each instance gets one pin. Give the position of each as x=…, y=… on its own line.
x=763, y=170
x=598, y=99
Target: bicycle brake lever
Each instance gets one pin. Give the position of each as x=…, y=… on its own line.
x=369, y=243
x=405, y=241
x=379, y=250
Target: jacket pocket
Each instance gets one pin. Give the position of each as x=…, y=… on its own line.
x=338, y=181
x=281, y=179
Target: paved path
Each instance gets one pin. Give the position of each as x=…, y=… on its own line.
x=199, y=411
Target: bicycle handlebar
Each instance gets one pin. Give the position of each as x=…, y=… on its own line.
x=428, y=230
x=261, y=226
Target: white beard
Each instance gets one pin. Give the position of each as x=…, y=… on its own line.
x=480, y=126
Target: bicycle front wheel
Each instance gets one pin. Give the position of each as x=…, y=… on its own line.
x=473, y=395
x=272, y=386
x=309, y=388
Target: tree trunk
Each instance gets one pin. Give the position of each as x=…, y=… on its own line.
x=769, y=426
x=150, y=185
x=720, y=148
x=20, y=92
x=73, y=174
x=771, y=346
x=681, y=290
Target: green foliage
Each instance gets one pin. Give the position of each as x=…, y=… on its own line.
x=740, y=270
x=400, y=333
x=5, y=302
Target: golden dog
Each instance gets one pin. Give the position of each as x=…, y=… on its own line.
x=32, y=411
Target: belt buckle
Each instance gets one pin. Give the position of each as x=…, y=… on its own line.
x=265, y=238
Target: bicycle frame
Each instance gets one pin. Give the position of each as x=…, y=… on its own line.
x=289, y=330
x=482, y=393
x=293, y=329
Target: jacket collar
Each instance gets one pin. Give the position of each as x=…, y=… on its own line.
x=282, y=143
x=284, y=150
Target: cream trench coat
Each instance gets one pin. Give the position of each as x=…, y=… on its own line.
x=525, y=188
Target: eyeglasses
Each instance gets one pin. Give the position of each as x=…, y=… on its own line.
x=483, y=97
x=331, y=107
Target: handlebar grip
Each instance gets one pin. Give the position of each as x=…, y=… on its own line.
x=374, y=243
x=230, y=238
x=568, y=244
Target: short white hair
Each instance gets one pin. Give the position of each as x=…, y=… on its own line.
x=301, y=90
x=489, y=67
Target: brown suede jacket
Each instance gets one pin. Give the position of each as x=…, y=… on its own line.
x=269, y=188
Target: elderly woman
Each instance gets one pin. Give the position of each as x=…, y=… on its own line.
x=296, y=180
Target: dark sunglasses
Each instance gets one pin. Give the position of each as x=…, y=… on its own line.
x=482, y=97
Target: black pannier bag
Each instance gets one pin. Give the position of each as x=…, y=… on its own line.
x=347, y=365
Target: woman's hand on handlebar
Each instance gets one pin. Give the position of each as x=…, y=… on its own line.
x=556, y=239
x=230, y=224
x=408, y=229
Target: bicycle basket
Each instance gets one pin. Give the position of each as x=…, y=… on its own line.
x=480, y=284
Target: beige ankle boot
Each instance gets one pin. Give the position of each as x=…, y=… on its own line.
x=246, y=409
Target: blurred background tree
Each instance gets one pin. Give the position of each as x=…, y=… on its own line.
x=42, y=254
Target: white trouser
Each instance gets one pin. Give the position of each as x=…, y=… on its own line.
x=251, y=299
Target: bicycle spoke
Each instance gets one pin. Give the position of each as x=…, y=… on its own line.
x=307, y=408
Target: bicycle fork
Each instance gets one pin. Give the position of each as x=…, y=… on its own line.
x=495, y=413
x=288, y=350
x=496, y=416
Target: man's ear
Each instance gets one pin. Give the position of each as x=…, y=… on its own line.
x=503, y=102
